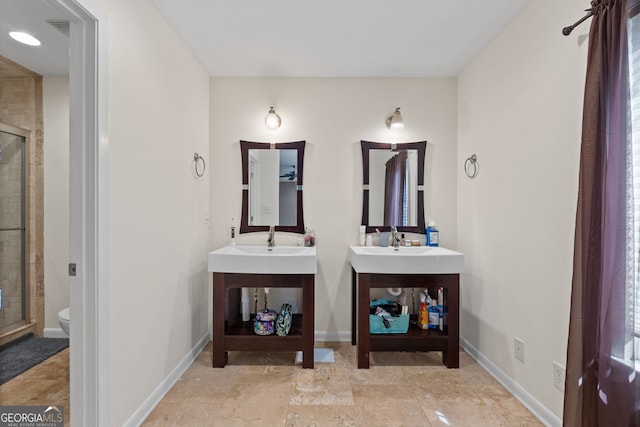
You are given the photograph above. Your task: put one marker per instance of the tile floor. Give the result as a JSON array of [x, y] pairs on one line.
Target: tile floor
[[400, 389], [44, 384], [270, 389]]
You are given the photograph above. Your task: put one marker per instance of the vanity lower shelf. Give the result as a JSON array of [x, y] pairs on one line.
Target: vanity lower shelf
[[240, 337], [230, 333], [416, 339]]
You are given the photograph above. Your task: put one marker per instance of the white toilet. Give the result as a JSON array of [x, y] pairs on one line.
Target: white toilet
[[63, 319]]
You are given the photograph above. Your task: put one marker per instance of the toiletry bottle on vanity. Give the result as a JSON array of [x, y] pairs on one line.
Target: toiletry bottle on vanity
[[309, 237], [433, 235]]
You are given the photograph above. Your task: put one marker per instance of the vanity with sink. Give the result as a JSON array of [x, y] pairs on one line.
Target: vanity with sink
[[393, 200], [235, 267], [405, 267], [270, 173]]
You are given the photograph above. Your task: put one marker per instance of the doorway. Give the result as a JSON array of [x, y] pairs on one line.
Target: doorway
[[88, 145]]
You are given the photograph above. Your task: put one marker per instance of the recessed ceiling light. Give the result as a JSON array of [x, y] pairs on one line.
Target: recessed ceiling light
[[24, 38]]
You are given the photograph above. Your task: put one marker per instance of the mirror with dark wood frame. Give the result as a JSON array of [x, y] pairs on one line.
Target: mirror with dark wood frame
[[272, 186], [393, 186]]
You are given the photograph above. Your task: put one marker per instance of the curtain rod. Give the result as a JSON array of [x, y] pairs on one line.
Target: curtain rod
[[567, 30]]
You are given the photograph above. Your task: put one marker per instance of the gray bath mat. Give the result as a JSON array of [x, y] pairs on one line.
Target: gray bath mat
[[26, 352]]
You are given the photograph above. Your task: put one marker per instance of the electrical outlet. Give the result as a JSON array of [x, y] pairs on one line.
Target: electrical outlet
[[558, 376], [518, 349]]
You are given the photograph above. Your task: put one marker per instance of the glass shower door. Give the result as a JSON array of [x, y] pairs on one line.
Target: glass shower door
[[12, 228]]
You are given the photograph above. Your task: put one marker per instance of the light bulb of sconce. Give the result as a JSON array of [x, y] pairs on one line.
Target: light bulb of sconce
[[273, 120], [395, 121]]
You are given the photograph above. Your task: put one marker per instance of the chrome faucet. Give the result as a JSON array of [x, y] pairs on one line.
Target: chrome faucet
[[395, 238], [271, 238]]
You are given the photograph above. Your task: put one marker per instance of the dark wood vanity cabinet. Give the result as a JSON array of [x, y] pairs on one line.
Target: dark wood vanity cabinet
[[230, 333], [415, 339]]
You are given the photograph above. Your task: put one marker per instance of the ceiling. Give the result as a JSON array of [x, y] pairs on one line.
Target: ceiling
[[294, 38], [52, 57], [337, 38]]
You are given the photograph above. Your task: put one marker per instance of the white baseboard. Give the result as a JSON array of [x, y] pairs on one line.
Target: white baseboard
[[339, 336], [546, 416], [54, 333], [143, 411]]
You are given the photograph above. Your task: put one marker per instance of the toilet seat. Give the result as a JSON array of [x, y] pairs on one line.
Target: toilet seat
[[63, 320]]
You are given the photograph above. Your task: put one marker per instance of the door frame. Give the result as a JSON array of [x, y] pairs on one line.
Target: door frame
[[88, 208]]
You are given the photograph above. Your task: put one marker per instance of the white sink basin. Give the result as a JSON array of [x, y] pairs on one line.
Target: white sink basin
[[406, 260], [260, 260]]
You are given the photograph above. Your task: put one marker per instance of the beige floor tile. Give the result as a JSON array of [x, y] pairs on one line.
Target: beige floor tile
[[329, 416], [478, 414], [270, 389], [324, 385]]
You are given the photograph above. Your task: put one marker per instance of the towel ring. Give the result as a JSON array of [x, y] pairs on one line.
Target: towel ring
[[197, 160], [471, 167]]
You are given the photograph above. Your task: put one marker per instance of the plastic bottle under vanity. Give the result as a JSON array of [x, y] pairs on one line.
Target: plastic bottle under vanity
[[433, 235], [245, 304], [434, 315], [423, 313]]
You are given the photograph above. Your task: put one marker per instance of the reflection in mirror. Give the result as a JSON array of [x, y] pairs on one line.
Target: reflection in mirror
[[393, 191], [393, 187], [272, 186]]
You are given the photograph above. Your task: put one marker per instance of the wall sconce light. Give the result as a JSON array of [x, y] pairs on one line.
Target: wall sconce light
[[273, 120], [395, 121]]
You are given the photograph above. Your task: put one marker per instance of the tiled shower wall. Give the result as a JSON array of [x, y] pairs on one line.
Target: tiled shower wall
[[21, 106], [10, 217]]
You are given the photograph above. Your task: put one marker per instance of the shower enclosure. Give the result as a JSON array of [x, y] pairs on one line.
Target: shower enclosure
[[13, 272]]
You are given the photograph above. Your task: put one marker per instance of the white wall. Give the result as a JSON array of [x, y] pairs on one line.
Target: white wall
[[332, 115], [517, 106], [158, 118], [519, 111], [56, 197]]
